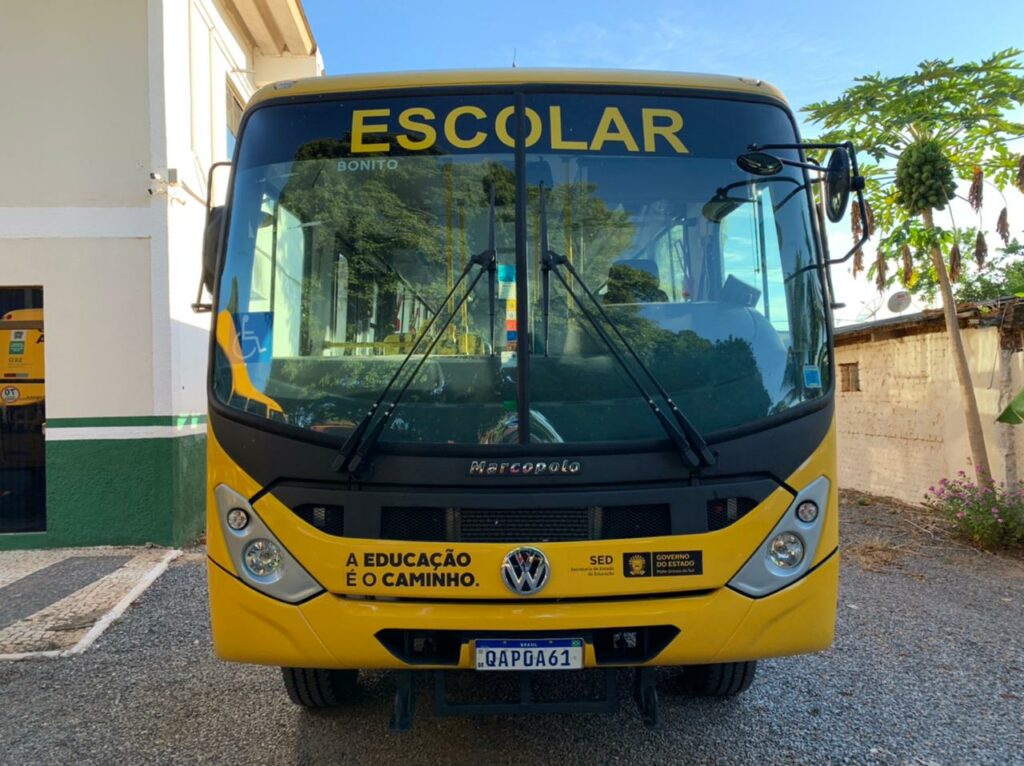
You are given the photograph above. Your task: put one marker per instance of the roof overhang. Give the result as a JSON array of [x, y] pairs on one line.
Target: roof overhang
[[275, 27]]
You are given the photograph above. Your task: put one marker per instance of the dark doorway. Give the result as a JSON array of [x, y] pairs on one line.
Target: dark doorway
[[22, 411]]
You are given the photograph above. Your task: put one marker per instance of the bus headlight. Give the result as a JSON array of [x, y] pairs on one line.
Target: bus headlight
[[786, 554], [237, 518], [786, 550], [807, 511], [260, 559]]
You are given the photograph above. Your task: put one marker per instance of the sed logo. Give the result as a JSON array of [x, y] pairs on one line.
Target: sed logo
[[601, 560]]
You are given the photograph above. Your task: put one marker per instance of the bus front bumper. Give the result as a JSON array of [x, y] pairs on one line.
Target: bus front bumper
[[329, 631]]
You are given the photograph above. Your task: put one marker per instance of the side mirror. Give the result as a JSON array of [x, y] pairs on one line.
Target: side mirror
[[837, 185], [760, 163], [721, 205], [211, 241]]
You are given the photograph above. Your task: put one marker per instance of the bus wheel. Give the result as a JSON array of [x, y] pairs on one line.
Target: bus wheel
[[320, 688], [719, 680]]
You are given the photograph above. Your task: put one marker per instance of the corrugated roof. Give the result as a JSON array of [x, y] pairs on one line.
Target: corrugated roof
[[1007, 313]]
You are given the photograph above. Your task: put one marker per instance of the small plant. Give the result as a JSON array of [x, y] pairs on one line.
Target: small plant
[[987, 515]]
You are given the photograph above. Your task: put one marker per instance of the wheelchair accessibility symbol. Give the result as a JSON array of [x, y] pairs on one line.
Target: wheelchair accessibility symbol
[[254, 335], [255, 343]]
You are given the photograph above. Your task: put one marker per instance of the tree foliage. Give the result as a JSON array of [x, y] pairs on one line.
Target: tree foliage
[[960, 112], [942, 117], [1002, 276]]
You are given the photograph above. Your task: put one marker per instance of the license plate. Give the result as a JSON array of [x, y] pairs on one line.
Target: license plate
[[529, 654]]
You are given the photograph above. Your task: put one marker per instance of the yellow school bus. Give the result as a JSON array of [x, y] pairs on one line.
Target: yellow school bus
[[22, 383], [522, 371]]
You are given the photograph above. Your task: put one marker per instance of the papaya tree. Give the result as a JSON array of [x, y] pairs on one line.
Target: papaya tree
[[926, 131]]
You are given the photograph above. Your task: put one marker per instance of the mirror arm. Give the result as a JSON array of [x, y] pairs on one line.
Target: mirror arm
[[807, 165], [864, 237], [848, 145], [200, 306], [857, 184]]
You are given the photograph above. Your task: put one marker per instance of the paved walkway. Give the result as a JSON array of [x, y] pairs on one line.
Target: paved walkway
[[56, 602]]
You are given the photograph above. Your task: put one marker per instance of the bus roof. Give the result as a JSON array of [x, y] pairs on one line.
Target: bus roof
[[514, 76]]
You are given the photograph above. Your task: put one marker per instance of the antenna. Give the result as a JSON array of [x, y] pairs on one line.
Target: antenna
[[513, 58], [898, 302], [868, 309]]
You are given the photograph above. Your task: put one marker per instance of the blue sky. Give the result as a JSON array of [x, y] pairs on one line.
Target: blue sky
[[810, 50]]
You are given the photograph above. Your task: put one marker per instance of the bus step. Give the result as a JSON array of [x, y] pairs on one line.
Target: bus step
[[645, 692], [405, 701]]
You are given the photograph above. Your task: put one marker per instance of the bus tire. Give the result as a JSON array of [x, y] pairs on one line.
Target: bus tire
[[724, 679], [320, 687]]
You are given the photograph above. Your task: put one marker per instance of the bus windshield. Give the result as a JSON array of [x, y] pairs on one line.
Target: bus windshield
[[352, 218]]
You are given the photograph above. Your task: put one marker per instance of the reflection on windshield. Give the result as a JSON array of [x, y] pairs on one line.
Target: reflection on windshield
[[334, 265], [704, 296]]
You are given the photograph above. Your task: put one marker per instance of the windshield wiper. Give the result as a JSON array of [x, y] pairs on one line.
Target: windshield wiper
[[361, 441], [687, 439]]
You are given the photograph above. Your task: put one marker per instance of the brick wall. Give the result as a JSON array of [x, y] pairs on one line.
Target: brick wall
[[904, 429]]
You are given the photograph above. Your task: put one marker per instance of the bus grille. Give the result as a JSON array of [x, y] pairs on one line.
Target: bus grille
[[326, 518], [485, 525], [723, 512], [523, 525]]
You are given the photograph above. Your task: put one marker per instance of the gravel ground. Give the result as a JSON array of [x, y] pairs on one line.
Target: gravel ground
[[927, 668]]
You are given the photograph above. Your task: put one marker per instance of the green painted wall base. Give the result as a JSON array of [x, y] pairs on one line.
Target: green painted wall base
[[121, 492]]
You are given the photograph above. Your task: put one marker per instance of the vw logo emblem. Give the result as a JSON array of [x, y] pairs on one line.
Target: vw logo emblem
[[525, 571]]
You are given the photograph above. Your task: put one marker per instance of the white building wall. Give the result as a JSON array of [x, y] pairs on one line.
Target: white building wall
[[104, 94], [114, 111], [75, 215], [75, 127], [202, 56]]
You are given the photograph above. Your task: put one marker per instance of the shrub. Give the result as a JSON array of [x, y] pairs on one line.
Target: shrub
[[987, 515]]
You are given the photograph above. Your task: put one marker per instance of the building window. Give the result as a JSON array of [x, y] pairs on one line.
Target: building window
[[849, 377], [234, 119], [22, 411]]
